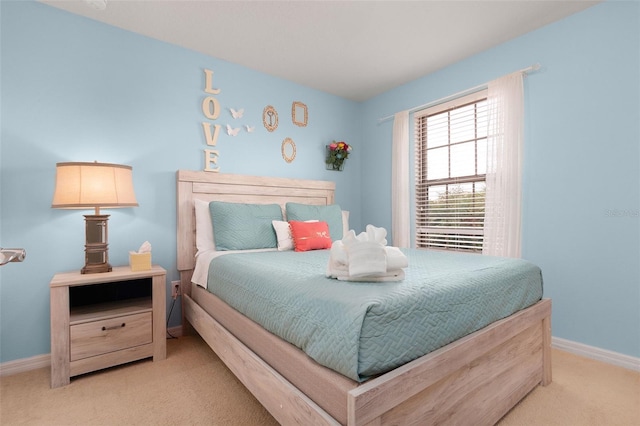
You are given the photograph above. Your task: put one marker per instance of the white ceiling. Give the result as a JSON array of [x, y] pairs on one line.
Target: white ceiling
[[353, 49]]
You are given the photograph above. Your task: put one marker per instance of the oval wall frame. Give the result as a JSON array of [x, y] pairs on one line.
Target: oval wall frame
[[288, 149], [270, 118]]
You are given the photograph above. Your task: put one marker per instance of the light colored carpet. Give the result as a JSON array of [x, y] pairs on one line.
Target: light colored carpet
[[584, 392], [193, 387]]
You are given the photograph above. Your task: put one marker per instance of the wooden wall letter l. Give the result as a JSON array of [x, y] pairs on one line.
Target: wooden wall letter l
[[209, 82], [211, 160], [209, 138], [211, 107]]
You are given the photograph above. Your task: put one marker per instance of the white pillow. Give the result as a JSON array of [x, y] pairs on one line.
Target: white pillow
[[283, 235], [204, 227]]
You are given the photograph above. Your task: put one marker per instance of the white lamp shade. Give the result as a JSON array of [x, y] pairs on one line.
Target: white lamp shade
[[90, 185]]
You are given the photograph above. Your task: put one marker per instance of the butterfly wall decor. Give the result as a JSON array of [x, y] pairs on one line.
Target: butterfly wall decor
[[237, 114], [231, 131]]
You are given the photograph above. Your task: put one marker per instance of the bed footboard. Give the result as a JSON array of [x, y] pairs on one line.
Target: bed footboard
[[475, 380]]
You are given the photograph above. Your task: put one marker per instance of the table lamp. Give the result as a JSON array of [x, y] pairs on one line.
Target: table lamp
[[94, 185]]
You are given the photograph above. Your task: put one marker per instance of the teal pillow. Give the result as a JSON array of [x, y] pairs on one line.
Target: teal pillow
[[239, 226], [332, 214]]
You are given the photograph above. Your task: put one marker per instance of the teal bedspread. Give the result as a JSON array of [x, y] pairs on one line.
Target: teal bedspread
[[365, 329]]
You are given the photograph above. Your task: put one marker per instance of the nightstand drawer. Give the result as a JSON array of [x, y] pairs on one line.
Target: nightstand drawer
[[109, 335]]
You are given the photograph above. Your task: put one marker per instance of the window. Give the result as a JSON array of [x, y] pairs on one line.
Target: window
[[451, 163]]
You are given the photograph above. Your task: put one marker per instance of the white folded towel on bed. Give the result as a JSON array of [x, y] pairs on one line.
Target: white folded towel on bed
[[397, 275], [338, 259], [371, 234], [396, 259], [365, 257]]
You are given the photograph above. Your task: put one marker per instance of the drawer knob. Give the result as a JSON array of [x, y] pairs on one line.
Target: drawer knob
[[115, 327]]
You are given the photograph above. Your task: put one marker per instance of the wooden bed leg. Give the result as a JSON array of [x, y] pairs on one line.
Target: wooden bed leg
[[185, 290], [546, 351]]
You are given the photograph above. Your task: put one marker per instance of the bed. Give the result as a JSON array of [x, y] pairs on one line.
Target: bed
[[475, 379]]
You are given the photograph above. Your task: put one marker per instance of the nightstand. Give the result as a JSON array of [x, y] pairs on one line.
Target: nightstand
[[105, 319]]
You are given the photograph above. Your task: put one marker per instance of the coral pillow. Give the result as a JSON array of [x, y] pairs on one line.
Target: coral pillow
[[310, 235]]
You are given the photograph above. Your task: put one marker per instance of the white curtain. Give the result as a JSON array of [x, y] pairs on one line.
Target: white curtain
[[400, 215], [502, 223]]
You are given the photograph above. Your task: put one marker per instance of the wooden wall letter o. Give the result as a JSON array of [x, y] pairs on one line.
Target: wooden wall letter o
[[211, 107]]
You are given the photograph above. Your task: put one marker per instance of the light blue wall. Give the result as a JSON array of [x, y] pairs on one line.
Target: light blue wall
[[581, 219], [77, 90]]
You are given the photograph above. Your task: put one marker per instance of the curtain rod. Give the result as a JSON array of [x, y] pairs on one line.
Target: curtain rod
[[534, 67]]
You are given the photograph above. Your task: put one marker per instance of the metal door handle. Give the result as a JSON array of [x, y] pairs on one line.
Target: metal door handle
[[11, 255]]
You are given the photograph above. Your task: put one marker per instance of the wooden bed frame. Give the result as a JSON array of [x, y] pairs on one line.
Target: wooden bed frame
[[474, 380]]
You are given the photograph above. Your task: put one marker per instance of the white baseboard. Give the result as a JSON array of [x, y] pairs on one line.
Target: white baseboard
[[632, 363], [609, 357], [40, 361], [25, 364]]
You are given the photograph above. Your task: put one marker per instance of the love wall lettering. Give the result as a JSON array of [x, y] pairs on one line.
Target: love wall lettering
[[211, 110]]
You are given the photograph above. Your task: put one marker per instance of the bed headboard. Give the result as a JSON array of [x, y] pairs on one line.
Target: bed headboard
[[209, 186]]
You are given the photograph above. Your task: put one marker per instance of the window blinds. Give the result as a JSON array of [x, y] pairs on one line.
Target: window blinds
[[451, 151]]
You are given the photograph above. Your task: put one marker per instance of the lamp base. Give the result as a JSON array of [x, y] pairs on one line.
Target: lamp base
[[94, 269], [96, 249]]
